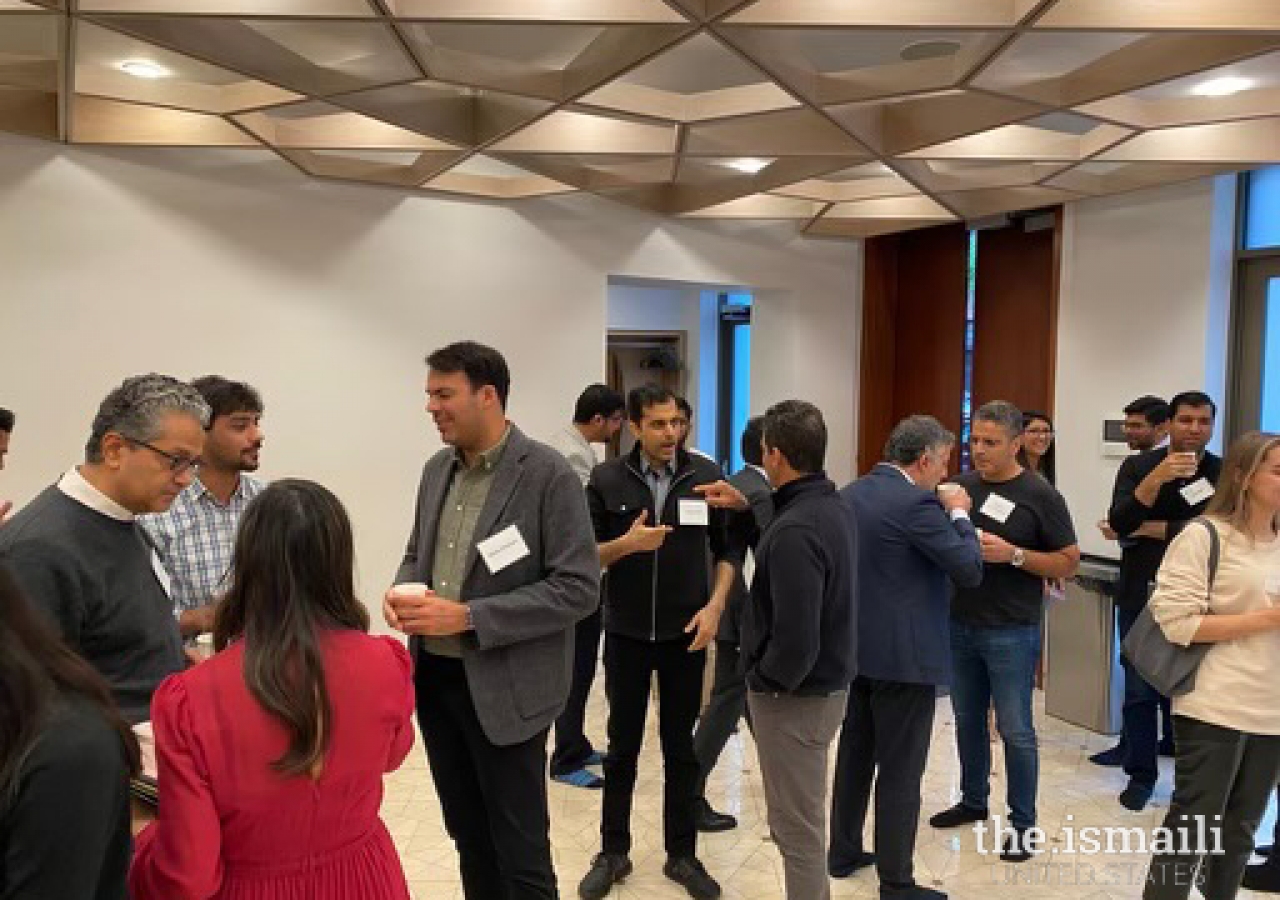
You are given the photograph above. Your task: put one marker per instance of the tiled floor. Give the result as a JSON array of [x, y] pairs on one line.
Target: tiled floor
[[747, 864]]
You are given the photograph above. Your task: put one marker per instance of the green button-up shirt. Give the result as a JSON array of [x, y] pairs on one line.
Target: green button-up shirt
[[455, 534]]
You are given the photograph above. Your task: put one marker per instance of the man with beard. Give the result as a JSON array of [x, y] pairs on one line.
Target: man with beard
[[194, 538]]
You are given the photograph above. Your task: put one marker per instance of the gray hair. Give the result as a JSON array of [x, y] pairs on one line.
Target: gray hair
[[1002, 413], [135, 409], [915, 436]]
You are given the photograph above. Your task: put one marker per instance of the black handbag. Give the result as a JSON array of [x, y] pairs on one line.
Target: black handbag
[[1168, 667]]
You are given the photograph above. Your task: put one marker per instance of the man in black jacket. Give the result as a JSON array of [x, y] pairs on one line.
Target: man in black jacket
[[1155, 495], [799, 641], [728, 700], [659, 617]]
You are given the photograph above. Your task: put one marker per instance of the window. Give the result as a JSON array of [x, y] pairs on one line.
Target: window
[[1255, 361], [1262, 209]]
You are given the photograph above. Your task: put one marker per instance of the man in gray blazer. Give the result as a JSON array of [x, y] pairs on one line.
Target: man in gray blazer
[[500, 565]]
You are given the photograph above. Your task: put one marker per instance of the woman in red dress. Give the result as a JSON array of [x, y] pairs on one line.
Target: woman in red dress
[[271, 754]]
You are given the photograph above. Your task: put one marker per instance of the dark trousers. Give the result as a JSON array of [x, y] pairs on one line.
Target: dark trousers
[[572, 746], [1143, 707], [727, 705], [629, 666], [1218, 772], [494, 799], [885, 740]]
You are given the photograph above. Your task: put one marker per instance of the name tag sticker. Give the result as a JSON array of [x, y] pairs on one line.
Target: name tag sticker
[[997, 508], [1197, 491], [693, 511], [503, 549]]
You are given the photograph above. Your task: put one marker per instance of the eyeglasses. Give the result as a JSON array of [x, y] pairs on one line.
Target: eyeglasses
[[177, 464]]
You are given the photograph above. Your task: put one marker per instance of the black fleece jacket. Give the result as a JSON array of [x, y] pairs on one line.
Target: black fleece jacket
[[799, 626]]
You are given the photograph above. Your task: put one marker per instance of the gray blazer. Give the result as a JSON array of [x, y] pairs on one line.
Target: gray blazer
[[519, 656]]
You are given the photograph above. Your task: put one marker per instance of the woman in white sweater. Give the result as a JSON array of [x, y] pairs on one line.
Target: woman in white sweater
[[1227, 729]]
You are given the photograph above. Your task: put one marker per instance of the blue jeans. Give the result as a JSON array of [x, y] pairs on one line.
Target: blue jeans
[[996, 666], [1143, 707]]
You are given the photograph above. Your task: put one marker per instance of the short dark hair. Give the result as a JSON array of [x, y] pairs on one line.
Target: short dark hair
[[481, 364], [915, 436], [684, 407], [752, 435], [1151, 408], [796, 429], [645, 396], [598, 400], [1002, 413], [1194, 399], [6, 419], [226, 397]]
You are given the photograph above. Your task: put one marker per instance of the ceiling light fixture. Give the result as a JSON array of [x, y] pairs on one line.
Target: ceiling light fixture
[[143, 68], [1222, 87], [748, 164]]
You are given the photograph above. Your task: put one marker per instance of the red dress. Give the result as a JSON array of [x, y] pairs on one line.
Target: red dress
[[230, 827]]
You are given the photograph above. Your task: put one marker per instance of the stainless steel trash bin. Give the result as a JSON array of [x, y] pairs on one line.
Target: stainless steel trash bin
[[1084, 684]]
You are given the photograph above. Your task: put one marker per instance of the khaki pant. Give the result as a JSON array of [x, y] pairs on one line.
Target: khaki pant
[[793, 736]]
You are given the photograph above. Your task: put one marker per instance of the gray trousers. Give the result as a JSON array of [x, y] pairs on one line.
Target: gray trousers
[[1218, 772], [793, 739]]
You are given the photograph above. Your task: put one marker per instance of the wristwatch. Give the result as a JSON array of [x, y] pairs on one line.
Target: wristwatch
[[1019, 557]]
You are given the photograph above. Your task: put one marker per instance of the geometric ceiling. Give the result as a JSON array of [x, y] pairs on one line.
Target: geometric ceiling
[[850, 117]]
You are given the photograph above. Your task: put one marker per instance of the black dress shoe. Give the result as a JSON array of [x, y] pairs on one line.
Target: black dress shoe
[[956, 816], [1110, 758], [910, 892], [607, 869], [708, 820], [687, 872], [1264, 878], [847, 867], [1014, 848], [1135, 796]]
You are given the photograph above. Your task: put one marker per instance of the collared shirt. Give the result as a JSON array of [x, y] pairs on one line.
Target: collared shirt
[[468, 491], [195, 538], [570, 444], [659, 481], [75, 486], [954, 514]]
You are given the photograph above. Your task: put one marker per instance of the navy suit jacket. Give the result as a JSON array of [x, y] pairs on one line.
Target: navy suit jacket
[[908, 548]]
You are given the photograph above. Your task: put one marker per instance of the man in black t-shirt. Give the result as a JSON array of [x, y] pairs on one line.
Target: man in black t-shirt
[[1026, 536]]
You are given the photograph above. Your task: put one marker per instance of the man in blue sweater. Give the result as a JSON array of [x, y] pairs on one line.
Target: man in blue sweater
[[79, 554]]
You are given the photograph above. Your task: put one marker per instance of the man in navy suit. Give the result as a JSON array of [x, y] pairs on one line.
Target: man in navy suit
[[911, 542]]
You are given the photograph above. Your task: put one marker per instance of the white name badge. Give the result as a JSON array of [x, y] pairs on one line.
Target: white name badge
[[997, 508], [162, 574], [1197, 491], [504, 548], [693, 511]]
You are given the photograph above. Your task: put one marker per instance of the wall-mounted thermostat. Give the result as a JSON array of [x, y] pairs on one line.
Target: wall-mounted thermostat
[[1114, 444]]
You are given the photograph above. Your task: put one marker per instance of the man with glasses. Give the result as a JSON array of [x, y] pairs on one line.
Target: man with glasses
[[79, 554], [195, 536], [597, 417]]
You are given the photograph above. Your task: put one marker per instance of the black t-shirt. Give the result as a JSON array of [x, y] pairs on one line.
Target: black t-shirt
[[1039, 521]]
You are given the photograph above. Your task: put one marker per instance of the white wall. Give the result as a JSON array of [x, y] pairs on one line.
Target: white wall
[[327, 296], [1144, 303]]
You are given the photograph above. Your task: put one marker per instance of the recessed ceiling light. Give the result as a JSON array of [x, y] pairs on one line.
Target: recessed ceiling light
[[1222, 87], [143, 68], [748, 164]]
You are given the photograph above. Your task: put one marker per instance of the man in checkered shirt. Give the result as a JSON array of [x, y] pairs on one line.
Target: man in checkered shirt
[[195, 537]]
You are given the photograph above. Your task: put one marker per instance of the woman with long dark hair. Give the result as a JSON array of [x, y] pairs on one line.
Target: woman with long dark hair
[[1038, 451], [1227, 727], [65, 760], [271, 754]]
